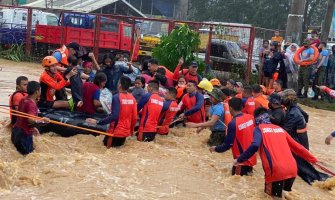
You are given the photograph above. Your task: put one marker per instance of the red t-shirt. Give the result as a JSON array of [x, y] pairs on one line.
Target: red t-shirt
[[89, 95], [26, 105]]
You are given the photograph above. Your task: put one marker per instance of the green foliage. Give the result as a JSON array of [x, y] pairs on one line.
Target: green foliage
[[15, 53], [182, 42]]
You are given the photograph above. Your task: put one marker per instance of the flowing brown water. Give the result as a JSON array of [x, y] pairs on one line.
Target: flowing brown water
[[178, 166]]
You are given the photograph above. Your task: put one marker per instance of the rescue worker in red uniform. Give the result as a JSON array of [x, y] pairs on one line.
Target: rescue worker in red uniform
[[248, 101], [193, 104], [225, 98], [239, 137], [275, 147], [190, 74], [51, 81], [17, 96], [151, 106], [123, 116], [169, 111]]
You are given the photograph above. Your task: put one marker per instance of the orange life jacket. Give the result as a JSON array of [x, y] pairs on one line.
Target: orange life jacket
[[65, 53]]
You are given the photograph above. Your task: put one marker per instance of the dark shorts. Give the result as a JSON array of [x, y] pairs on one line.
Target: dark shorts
[[268, 74], [216, 138], [148, 136], [22, 142], [116, 141], [276, 188], [45, 104], [241, 170]]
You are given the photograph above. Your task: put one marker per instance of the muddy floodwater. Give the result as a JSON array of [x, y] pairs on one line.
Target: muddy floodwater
[[178, 166]]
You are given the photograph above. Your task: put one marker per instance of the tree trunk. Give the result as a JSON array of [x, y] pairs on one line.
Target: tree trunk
[[306, 16], [328, 20], [295, 21]]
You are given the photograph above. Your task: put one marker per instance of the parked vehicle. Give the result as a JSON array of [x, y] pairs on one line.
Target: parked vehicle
[[17, 18], [13, 24], [114, 35], [226, 53]]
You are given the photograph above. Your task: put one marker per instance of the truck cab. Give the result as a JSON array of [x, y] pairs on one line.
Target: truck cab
[[17, 18], [114, 35]]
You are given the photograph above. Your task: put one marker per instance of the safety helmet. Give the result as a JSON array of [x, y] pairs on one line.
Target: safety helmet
[[48, 61], [205, 85], [215, 82]]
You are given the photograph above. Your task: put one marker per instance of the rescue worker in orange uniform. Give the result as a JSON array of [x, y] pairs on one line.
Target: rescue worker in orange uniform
[[20, 93], [259, 97], [51, 80]]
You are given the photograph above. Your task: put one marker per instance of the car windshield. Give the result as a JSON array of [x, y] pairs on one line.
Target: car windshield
[[219, 48], [235, 50], [52, 20]]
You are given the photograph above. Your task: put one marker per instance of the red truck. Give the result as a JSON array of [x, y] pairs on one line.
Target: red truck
[[114, 35]]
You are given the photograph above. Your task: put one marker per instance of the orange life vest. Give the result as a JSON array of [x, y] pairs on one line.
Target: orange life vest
[[65, 53]]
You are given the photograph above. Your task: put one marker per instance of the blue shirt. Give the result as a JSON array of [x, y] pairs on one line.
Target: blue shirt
[[91, 77], [231, 133], [113, 75], [326, 54], [218, 110], [115, 113], [307, 53]]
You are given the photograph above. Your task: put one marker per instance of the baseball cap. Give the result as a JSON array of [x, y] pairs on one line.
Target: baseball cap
[[194, 64], [75, 46], [231, 81], [239, 84], [216, 94]]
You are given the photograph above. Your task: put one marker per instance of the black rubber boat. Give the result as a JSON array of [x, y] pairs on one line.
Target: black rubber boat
[[72, 118]]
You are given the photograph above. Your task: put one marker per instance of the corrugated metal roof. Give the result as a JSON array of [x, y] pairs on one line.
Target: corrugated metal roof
[[82, 5]]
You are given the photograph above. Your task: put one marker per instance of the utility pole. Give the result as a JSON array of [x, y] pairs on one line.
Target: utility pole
[[328, 20], [294, 22]]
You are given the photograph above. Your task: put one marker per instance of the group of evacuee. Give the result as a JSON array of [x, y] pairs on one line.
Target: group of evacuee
[[299, 68], [246, 119]]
